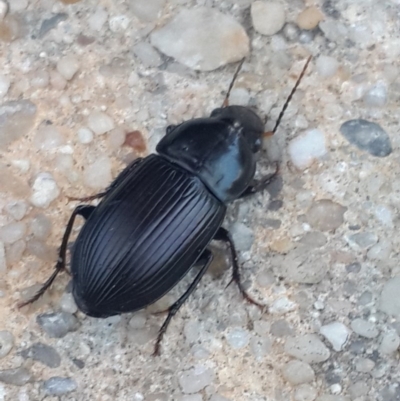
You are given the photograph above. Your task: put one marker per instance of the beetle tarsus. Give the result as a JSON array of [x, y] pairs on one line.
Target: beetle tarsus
[[262, 184], [206, 257], [223, 235]]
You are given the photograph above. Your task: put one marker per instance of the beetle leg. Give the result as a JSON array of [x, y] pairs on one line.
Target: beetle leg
[[82, 210], [121, 177], [260, 185], [223, 235], [205, 258]]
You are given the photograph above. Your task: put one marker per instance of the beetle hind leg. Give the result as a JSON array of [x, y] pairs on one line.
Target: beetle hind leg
[[223, 235], [205, 260], [83, 210]]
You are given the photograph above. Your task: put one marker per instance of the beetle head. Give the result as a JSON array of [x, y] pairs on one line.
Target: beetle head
[[245, 119]]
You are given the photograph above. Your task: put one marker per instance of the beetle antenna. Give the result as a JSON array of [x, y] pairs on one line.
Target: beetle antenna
[[285, 106], [226, 100]]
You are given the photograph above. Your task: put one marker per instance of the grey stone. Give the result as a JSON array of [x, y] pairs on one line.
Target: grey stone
[[308, 348], [367, 136], [58, 324], [43, 353], [59, 386], [6, 343], [17, 377], [390, 297]]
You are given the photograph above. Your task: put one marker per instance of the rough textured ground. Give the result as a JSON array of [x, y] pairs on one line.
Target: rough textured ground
[[89, 86]]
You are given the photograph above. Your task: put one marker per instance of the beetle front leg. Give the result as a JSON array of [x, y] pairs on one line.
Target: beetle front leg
[[205, 259], [82, 210], [261, 184], [223, 235]]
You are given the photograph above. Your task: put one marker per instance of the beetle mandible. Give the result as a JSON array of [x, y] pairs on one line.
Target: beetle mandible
[[155, 221]]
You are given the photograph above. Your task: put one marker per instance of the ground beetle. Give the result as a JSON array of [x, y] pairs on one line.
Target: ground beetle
[[157, 218]]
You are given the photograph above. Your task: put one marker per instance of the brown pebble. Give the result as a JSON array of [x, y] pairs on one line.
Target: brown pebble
[[309, 18], [9, 29], [136, 141], [69, 1], [84, 40]]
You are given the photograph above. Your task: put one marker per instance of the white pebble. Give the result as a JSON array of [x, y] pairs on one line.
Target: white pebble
[[68, 66], [364, 328], [336, 333], [48, 137], [119, 23], [138, 321], [18, 5], [116, 138], [45, 190], [67, 303], [307, 147], [3, 9], [12, 232], [380, 251], [98, 174], [298, 372], [191, 397], [3, 261], [377, 95], [194, 380], [98, 19], [17, 209], [85, 135], [5, 83], [364, 365], [147, 54], [384, 215], [238, 337], [326, 66], [260, 346], [390, 343], [305, 392], [282, 305], [57, 80], [268, 16], [308, 348], [147, 10], [390, 297], [6, 343], [100, 123], [40, 79], [41, 226], [239, 96]]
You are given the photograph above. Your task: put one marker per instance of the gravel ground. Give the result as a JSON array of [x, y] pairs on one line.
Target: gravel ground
[[87, 86]]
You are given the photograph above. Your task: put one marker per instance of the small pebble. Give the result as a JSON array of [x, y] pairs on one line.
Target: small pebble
[[309, 18], [308, 348], [57, 81], [191, 397], [307, 147], [12, 232], [98, 19], [100, 123], [281, 306], [305, 392], [238, 338], [68, 66], [217, 397], [41, 226], [17, 377], [362, 240], [3, 9], [51, 23], [358, 389], [268, 17], [17, 209], [44, 354], [242, 236], [48, 137], [336, 333], [281, 328], [260, 346], [146, 53], [135, 140], [116, 138], [325, 215], [98, 174], [67, 303], [298, 372], [58, 386], [377, 95], [326, 66], [138, 321], [17, 118], [119, 23], [367, 136], [6, 343], [291, 32], [196, 379], [5, 82], [58, 324], [45, 190], [380, 251], [85, 135], [389, 344], [364, 328], [147, 10], [364, 365], [239, 96], [14, 253], [211, 39], [389, 301], [18, 5]]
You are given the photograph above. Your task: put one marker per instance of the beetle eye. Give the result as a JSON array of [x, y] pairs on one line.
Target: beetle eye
[[170, 128]]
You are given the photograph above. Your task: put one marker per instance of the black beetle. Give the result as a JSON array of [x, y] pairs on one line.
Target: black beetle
[[157, 218]]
